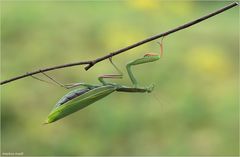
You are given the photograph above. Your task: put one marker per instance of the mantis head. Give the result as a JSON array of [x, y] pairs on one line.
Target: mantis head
[[151, 57]]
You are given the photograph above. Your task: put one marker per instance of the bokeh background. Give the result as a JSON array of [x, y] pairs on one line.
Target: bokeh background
[[192, 111]]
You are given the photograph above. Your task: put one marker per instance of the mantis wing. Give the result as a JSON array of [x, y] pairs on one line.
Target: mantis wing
[[88, 97]]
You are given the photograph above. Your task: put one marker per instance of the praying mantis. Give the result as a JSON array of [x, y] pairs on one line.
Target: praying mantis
[[82, 97]]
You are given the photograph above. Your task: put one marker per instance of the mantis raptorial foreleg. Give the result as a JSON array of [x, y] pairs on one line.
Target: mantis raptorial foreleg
[[149, 57], [113, 76]]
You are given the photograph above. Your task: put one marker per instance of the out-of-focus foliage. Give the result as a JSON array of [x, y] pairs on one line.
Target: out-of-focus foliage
[[192, 111]]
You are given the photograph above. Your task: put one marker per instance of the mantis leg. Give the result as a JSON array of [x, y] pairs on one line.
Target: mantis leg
[[66, 86], [129, 70], [136, 90], [114, 76]]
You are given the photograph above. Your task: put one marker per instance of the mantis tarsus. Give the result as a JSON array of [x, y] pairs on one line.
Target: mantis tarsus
[[82, 97]]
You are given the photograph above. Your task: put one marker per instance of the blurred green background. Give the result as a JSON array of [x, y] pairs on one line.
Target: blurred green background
[[192, 111]]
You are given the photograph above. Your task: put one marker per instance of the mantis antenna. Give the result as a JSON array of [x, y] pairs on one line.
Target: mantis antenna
[[161, 47]]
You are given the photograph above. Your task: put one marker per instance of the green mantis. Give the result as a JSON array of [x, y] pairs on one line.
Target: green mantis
[[82, 97]]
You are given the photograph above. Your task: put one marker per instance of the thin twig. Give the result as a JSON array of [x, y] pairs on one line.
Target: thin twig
[[44, 70], [93, 62]]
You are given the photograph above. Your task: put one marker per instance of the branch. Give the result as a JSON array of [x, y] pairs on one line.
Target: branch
[[93, 62]]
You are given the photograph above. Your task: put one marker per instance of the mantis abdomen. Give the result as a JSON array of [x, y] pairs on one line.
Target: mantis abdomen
[[76, 103]]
